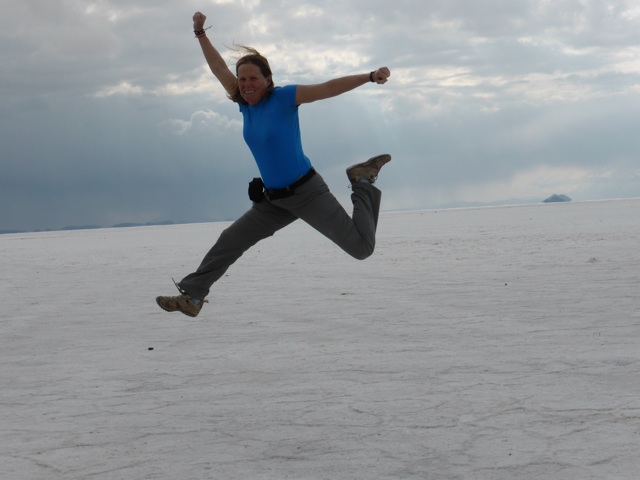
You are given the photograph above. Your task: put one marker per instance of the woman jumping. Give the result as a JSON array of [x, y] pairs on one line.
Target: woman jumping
[[290, 188]]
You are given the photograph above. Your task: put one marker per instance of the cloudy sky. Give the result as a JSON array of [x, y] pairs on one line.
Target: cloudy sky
[[110, 115]]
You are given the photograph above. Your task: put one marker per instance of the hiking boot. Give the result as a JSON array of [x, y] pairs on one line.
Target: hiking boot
[[367, 170], [181, 303]]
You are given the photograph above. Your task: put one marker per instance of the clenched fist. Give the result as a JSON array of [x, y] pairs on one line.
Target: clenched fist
[[198, 21], [381, 75]]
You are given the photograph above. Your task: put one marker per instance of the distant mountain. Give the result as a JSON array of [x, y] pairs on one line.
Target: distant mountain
[[148, 224], [92, 227], [556, 199], [81, 227]]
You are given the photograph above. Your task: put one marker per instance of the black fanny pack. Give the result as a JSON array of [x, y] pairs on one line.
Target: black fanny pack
[[257, 191]]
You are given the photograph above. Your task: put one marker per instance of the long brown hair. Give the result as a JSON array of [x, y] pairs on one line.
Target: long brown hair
[[252, 56]]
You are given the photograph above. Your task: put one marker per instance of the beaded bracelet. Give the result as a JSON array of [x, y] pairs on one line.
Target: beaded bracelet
[[201, 33]]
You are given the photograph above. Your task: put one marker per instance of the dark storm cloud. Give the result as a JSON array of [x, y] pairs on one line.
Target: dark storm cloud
[[110, 115]]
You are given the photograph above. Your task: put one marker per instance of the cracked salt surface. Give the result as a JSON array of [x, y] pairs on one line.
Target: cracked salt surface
[[490, 343]]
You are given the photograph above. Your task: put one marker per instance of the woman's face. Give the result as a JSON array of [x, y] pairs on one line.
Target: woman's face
[[252, 84]]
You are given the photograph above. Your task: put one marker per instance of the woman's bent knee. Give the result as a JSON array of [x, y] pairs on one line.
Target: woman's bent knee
[[362, 253]]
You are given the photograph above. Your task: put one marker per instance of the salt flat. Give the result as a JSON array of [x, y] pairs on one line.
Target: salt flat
[[489, 343]]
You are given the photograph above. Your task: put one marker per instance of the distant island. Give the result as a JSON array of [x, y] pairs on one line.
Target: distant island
[[557, 198]]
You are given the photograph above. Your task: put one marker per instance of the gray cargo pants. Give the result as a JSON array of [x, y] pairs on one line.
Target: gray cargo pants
[[313, 203]]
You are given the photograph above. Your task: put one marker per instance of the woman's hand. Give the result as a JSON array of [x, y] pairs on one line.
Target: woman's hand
[[198, 21], [381, 75]]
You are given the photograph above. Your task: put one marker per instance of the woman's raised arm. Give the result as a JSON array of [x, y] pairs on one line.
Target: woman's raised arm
[[216, 63]]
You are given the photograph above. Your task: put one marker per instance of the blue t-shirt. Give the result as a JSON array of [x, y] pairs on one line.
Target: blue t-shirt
[[272, 132]]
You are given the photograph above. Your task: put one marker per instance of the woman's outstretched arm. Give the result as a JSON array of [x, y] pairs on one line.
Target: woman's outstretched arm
[[338, 86]]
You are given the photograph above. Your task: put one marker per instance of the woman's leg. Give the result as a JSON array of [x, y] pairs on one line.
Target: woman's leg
[[260, 222], [316, 205]]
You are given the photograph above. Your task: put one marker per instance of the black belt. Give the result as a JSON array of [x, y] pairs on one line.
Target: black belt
[[277, 193]]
